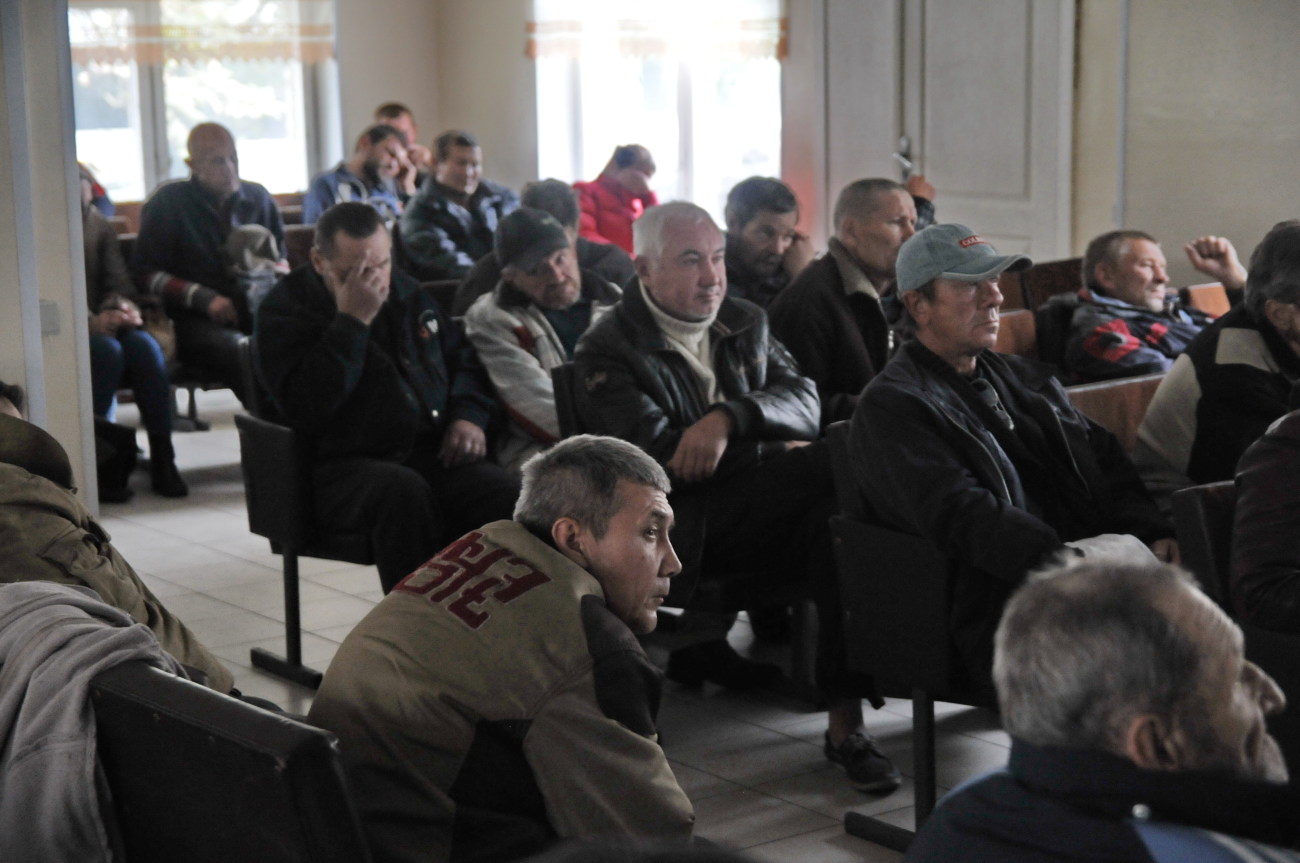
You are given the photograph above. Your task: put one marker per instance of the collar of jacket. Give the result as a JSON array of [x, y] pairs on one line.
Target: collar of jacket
[[592, 287], [1286, 357], [1099, 781], [1118, 306], [734, 317], [855, 280]]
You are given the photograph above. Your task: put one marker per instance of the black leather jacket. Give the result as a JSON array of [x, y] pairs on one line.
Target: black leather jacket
[[1265, 585], [635, 386]]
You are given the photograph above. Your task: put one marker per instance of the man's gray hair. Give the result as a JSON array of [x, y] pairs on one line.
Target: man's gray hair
[[578, 478], [1275, 269], [1084, 647], [648, 231], [860, 199]]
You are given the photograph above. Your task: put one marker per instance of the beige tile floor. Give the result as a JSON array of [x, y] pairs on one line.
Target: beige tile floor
[[752, 763]]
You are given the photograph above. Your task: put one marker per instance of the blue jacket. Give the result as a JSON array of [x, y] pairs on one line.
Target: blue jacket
[[341, 185], [440, 239], [1111, 339]]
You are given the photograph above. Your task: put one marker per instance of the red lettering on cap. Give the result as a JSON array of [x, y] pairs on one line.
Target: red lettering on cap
[[972, 240]]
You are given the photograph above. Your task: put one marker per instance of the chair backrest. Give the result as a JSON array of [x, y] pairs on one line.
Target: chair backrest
[[1119, 405], [256, 395], [443, 292], [896, 590], [1017, 334], [1050, 278], [297, 244], [564, 380], [1052, 326], [1203, 517], [277, 487], [1211, 298], [199, 776]]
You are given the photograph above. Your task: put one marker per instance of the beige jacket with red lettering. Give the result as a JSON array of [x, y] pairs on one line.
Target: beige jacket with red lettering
[[492, 704]]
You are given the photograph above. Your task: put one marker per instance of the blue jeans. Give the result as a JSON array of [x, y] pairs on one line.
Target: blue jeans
[[134, 358]]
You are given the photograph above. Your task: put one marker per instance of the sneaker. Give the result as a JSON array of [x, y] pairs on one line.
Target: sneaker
[[869, 769], [717, 662], [166, 479]]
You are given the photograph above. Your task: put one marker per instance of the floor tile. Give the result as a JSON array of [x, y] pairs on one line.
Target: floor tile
[[741, 819], [828, 845]]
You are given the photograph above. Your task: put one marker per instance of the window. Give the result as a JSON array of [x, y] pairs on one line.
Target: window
[[705, 99], [146, 71]]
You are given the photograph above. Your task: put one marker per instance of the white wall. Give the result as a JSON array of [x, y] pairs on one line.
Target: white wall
[[486, 86], [387, 52], [41, 258]]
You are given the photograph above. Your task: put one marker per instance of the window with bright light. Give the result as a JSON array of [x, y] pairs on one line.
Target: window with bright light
[[705, 99], [147, 71]]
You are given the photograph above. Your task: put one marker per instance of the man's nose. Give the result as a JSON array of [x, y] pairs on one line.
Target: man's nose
[[1267, 693], [991, 295], [672, 564]]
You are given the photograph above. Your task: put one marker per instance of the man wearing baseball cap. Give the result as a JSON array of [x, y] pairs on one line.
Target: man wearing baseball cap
[[530, 324], [982, 453]]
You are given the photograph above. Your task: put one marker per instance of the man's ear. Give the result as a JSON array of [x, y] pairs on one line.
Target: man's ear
[[1102, 275], [914, 302], [1152, 743], [569, 538], [317, 262], [642, 267], [1279, 315]]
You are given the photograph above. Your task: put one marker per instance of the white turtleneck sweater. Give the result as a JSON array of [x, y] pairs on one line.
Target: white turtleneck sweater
[[691, 340]]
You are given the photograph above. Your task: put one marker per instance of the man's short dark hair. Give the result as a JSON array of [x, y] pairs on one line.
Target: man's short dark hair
[[555, 197], [391, 111], [1106, 250], [356, 219], [13, 394], [452, 138], [1275, 268], [757, 195], [861, 197], [380, 132]]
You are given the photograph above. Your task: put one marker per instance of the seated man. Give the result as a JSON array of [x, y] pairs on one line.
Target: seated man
[[560, 200], [694, 378], [837, 317], [418, 156], [1137, 732], [47, 534], [378, 174], [1124, 323], [450, 222], [1232, 381], [531, 323], [497, 700], [362, 361], [764, 249], [982, 454], [181, 253]]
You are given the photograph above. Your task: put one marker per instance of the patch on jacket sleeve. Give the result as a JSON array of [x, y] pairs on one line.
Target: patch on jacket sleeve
[[594, 381], [627, 685], [500, 811], [470, 577]]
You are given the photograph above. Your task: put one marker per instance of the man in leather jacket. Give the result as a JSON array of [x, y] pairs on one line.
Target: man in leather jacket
[[983, 454], [695, 378]]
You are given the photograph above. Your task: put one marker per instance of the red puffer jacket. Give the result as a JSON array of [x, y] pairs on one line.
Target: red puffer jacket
[[608, 211]]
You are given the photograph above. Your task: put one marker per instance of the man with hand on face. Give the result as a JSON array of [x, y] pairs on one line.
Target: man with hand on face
[[695, 379], [180, 253], [838, 316], [1137, 732], [983, 454], [530, 324], [419, 157], [377, 174], [388, 389], [1125, 323], [497, 700], [764, 248], [450, 222]]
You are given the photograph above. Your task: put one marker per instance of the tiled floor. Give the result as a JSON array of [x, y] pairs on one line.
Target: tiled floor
[[752, 763]]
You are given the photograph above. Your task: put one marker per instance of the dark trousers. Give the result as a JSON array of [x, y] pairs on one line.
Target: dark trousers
[[211, 349], [769, 527], [413, 509]]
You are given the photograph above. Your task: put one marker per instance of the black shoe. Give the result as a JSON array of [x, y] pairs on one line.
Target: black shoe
[[869, 769], [717, 662], [771, 623], [166, 479], [116, 494]]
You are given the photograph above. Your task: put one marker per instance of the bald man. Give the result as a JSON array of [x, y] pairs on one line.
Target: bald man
[[185, 242]]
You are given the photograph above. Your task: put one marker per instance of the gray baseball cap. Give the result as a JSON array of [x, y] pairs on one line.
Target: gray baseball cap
[[526, 236], [951, 251]]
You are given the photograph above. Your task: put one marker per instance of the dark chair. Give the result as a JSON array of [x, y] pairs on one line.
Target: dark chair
[[443, 292], [1119, 405], [1050, 278], [1211, 298], [1017, 334], [276, 464], [896, 589], [297, 244], [723, 595], [197, 776], [1052, 324], [1203, 523]]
